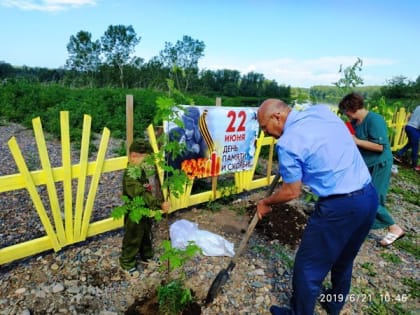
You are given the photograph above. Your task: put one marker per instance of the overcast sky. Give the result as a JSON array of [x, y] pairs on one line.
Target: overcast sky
[[295, 42]]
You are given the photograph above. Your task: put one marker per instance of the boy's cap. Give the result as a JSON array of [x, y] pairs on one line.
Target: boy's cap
[[141, 146]]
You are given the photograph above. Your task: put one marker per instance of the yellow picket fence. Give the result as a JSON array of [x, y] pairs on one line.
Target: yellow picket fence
[[74, 225], [398, 138]]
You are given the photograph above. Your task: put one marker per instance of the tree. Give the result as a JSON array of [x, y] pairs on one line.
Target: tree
[[416, 87], [417, 83], [154, 75], [350, 79], [299, 95], [228, 81], [6, 70], [207, 83], [132, 76], [271, 89], [252, 84], [118, 43], [397, 87], [182, 58], [84, 54]]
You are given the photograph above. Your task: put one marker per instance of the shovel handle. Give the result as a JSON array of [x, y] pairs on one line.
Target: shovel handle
[[254, 222], [245, 239]]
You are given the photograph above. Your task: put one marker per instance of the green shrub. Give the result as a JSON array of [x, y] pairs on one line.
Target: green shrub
[[173, 298]]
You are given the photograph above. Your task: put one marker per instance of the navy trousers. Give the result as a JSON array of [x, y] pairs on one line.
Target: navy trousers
[[331, 240], [413, 135]]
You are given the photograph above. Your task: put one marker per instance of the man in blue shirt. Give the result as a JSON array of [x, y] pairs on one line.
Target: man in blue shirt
[[316, 149]]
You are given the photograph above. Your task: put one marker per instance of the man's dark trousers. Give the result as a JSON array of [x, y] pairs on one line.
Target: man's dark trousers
[[332, 238]]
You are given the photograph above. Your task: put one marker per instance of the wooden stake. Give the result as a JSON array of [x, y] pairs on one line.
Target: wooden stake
[[129, 120]]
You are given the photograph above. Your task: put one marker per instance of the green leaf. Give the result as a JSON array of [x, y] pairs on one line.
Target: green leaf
[[137, 202], [158, 215], [119, 212], [136, 210], [134, 171]]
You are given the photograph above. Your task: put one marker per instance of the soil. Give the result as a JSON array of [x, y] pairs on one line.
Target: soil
[[150, 305], [291, 220], [288, 216]]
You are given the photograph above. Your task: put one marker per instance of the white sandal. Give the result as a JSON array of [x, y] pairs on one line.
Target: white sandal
[[390, 238]]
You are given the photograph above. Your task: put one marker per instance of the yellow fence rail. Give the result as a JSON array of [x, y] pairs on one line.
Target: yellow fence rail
[[75, 224]]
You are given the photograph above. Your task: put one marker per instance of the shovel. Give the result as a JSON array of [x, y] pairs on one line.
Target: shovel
[[223, 275]]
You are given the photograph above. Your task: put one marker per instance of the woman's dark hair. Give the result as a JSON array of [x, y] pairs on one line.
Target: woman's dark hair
[[351, 103]]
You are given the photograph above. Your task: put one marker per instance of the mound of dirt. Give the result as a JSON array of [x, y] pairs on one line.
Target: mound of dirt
[[285, 224], [150, 305]]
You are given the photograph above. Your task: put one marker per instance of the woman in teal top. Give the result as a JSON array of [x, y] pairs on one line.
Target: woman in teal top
[[371, 137]]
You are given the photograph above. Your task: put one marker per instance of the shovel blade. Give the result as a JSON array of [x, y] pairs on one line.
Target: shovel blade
[[221, 278]]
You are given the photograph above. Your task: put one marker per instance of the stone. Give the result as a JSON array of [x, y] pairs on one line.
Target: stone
[[54, 267], [58, 287], [20, 291]]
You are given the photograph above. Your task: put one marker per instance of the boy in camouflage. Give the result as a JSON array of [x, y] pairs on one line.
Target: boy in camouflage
[[137, 236]]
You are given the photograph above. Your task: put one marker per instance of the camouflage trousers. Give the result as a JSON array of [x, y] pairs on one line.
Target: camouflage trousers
[[137, 240]]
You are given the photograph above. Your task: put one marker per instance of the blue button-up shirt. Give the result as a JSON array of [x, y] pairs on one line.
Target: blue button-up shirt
[[317, 149]]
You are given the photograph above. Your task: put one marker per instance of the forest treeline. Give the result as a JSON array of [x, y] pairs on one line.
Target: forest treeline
[[110, 62], [22, 100], [99, 73]]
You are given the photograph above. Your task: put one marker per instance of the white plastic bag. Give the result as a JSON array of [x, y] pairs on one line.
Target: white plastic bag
[[183, 231]]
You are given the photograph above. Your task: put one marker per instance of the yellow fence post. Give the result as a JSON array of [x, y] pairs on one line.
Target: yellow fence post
[[399, 138], [270, 158], [67, 184], [23, 169], [84, 154], [52, 192], [94, 183]]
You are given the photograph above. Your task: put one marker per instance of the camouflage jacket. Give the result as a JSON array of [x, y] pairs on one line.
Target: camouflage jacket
[[142, 186]]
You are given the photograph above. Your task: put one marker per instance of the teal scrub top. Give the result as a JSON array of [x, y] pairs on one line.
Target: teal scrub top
[[373, 128]]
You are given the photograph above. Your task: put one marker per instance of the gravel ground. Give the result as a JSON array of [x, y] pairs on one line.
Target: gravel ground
[[85, 278]]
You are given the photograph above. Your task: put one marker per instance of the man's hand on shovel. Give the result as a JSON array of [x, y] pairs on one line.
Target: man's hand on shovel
[[263, 209]]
